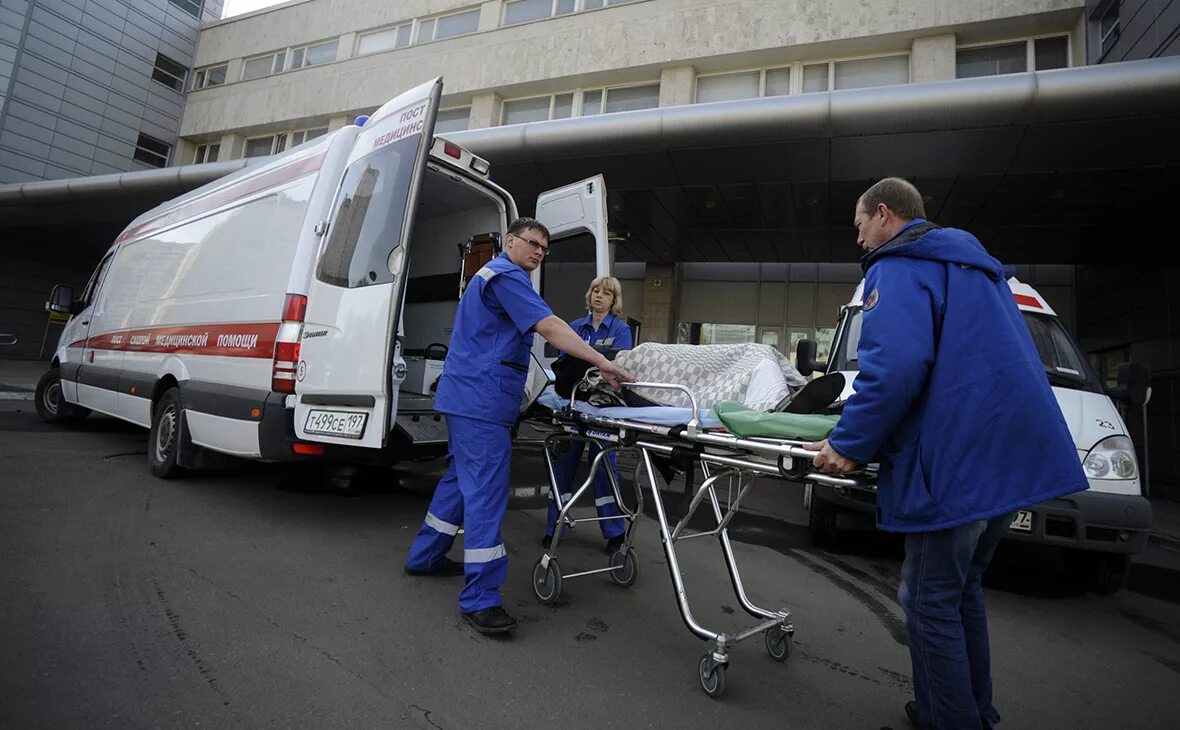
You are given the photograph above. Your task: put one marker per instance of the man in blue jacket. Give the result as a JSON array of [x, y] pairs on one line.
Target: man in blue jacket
[[480, 394], [952, 401]]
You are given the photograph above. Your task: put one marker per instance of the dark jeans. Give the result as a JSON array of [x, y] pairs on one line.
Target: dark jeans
[[947, 623]]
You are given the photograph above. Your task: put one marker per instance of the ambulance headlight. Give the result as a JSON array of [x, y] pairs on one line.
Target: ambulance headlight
[[1112, 458]]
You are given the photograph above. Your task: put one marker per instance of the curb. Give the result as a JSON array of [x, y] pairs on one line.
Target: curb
[[15, 395]]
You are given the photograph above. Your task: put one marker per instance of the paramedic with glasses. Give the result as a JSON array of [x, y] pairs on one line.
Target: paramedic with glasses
[[602, 327], [952, 401], [479, 394]]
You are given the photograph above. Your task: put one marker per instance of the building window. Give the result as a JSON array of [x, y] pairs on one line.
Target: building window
[[314, 55], [151, 151], [744, 85], [169, 72], [209, 76], [708, 333], [815, 77], [523, 11], [271, 63], [192, 7], [1008, 58], [867, 72], [207, 153], [1106, 17], [520, 111], [384, 40], [306, 135], [1014, 57], [620, 99], [452, 120], [448, 26], [262, 146]]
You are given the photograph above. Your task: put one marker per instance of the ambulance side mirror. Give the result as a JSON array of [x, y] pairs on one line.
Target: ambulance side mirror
[[1134, 384], [805, 358], [61, 299]]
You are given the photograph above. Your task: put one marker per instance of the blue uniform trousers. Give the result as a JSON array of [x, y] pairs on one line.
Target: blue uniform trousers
[[947, 624], [604, 496], [474, 495]]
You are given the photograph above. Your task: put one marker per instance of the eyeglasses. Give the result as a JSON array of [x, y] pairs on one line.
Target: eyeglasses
[[543, 250]]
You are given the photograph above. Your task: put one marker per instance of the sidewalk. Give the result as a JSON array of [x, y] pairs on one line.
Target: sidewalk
[[18, 378], [1165, 530]]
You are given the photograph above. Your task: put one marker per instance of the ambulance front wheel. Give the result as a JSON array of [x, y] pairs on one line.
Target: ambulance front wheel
[[547, 581], [50, 404], [165, 435]]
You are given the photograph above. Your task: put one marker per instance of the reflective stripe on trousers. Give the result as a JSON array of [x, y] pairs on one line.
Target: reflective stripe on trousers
[[474, 494]]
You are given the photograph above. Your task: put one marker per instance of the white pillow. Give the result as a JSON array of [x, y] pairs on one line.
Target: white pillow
[[767, 386]]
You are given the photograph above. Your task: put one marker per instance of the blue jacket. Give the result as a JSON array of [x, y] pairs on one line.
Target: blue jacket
[[613, 332], [488, 359], [951, 397]]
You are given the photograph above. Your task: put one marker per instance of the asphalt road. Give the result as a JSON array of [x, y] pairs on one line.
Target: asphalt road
[[250, 598]]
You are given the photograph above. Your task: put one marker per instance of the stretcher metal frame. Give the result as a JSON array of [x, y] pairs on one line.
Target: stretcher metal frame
[[721, 456]]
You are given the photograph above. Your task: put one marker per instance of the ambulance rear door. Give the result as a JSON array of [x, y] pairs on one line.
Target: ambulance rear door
[[346, 384]]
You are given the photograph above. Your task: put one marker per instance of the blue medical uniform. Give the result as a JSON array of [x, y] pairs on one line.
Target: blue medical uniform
[[612, 332], [479, 394]]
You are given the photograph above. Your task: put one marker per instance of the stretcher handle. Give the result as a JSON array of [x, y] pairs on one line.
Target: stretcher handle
[[693, 423]]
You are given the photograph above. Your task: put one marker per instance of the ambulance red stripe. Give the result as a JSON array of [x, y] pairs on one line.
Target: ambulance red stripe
[[1027, 301], [251, 185], [248, 339]]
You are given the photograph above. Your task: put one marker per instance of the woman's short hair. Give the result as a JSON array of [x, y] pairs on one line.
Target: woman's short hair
[[612, 285]]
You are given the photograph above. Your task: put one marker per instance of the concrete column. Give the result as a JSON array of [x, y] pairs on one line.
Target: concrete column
[[489, 15], [1077, 42], [485, 110], [347, 47], [233, 146], [659, 303], [677, 86], [183, 152], [233, 70], [932, 58]]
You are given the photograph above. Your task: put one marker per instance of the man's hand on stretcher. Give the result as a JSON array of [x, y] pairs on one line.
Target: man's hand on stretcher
[[559, 334], [829, 460]]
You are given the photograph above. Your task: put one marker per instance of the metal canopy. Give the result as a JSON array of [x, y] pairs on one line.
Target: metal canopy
[[1044, 167]]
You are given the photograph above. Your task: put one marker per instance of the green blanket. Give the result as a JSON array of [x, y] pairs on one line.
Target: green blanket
[[744, 421]]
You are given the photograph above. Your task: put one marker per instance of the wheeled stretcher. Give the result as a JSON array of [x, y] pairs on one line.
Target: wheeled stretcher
[[727, 464]]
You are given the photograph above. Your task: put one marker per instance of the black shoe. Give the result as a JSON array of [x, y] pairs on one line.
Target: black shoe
[[494, 620], [613, 544], [911, 712], [546, 541], [449, 568]]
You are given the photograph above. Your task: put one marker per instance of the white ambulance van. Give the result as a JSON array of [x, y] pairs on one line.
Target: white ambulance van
[[272, 313], [1098, 529]]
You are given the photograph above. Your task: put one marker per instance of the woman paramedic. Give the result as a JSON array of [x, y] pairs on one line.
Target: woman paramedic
[[479, 394], [603, 327]]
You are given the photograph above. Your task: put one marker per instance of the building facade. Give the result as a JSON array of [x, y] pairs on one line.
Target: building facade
[[89, 87]]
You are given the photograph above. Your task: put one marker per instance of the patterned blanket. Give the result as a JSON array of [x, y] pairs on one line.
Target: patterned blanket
[[714, 373]]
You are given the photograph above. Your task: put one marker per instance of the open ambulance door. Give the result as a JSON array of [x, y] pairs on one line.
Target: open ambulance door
[[346, 386], [575, 216]]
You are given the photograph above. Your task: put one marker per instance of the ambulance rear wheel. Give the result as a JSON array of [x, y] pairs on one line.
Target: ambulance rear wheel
[[165, 435], [547, 581], [50, 404]]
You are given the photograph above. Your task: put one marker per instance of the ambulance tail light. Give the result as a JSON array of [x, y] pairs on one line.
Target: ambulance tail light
[[453, 150], [286, 358], [480, 165]]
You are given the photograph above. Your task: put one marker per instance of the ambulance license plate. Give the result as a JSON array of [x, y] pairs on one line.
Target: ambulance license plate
[[1021, 522], [346, 424]]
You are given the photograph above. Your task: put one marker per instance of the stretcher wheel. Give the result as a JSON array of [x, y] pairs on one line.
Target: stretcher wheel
[[778, 643], [712, 676], [626, 575], [547, 581]]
